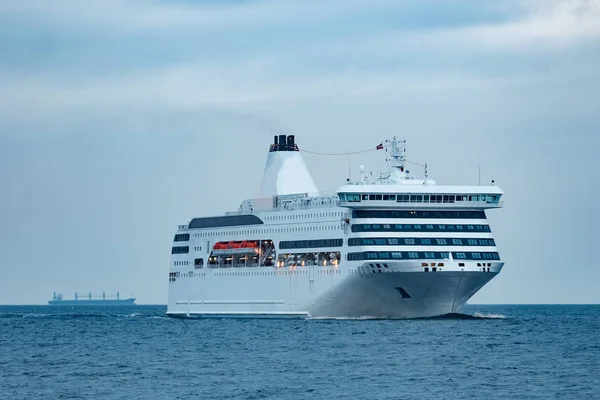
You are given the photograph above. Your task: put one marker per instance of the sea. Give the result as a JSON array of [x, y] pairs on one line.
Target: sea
[[485, 352]]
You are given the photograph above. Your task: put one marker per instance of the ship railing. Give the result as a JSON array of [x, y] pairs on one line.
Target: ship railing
[[288, 202], [237, 265], [292, 208]]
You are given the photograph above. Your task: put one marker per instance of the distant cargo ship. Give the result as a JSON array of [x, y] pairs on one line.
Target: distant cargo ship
[[89, 300]]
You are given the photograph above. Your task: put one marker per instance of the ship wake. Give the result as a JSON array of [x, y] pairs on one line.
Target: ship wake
[[474, 316], [450, 316]]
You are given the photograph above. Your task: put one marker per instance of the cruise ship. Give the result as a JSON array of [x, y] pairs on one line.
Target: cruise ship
[[389, 246]]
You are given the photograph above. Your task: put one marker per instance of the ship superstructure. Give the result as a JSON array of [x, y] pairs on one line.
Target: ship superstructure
[[392, 247]]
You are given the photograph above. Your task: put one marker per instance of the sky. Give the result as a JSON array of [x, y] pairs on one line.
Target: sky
[[120, 120]]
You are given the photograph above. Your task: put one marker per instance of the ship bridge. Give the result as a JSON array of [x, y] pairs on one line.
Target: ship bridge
[[398, 188], [420, 196]]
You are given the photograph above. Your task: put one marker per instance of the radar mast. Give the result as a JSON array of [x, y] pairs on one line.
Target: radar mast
[[397, 159]]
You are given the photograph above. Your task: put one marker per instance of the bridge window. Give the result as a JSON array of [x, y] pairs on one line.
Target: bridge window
[[421, 198], [418, 214]]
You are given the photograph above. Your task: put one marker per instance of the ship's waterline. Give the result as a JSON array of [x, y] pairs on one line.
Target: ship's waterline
[[395, 247]]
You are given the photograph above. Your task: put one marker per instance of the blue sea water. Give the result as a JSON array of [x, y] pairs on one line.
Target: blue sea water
[[489, 352]]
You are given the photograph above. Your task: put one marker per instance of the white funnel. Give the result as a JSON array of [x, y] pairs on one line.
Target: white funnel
[[285, 171]]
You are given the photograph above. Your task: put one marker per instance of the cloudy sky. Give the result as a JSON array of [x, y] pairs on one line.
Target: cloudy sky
[[121, 119]]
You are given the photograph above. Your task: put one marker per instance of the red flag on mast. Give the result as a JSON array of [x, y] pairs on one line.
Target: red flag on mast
[[380, 146]]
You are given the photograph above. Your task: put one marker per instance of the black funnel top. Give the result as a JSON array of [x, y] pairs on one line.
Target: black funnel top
[[283, 143]]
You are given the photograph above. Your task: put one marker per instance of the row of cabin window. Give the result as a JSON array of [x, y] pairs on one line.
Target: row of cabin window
[[300, 244], [418, 228], [384, 255], [418, 214], [180, 249], [182, 237], [397, 255], [435, 255], [420, 198], [304, 244], [278, 272], [476, 256], [420, 242], [302, 216], [265, 231]]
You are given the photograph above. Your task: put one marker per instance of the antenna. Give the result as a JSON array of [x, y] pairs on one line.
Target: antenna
[[349, 166]]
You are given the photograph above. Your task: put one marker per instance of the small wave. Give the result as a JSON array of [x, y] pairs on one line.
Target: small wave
[[91, 315], [61, 315], [10, 315], [133, 315], [36, 315], [67, 316], [489, 315]]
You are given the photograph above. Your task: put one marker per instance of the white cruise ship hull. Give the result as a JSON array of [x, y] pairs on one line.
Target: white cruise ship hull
[[389, 247], [401, 290]]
